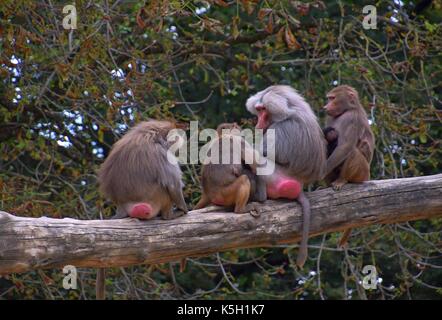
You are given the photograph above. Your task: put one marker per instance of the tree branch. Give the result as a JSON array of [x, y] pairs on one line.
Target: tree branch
[[33, 243]]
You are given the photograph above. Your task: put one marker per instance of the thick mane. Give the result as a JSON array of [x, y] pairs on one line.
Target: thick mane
[[290, 94], [308, 149]]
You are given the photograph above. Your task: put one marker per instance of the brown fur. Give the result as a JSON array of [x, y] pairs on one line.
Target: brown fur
[[232, 184], [331, 136], [350, 160], [354, 150], [137, 170], [299, 144]]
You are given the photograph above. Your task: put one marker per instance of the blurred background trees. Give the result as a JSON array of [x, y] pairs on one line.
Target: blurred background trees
[[67, 95]]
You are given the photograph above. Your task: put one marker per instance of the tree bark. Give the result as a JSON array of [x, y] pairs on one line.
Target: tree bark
[[33, 243]]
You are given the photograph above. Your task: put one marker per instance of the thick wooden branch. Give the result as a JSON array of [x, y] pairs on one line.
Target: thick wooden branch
[[32, 243]]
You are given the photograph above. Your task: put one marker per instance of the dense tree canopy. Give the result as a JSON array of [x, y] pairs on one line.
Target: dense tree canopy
[[67, 95]]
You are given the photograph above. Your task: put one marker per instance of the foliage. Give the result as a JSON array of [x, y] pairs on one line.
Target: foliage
[[67, 95]]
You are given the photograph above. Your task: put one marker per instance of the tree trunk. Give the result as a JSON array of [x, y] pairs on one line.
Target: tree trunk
[[33, 243]]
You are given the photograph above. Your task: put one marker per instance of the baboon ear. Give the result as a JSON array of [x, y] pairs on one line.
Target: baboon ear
[[351, 95]]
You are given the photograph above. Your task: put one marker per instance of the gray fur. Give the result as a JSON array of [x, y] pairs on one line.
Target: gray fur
[[300, 147], [299, 142]]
